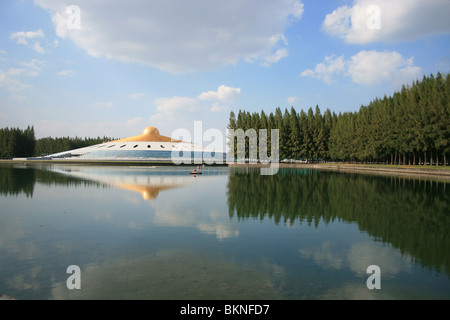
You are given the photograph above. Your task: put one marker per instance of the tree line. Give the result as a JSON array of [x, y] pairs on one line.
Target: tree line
[[410, 127], [15, 142], [49, 145], [18, 143]]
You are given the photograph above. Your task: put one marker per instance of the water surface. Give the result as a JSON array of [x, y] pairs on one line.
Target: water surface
[[230, 233]]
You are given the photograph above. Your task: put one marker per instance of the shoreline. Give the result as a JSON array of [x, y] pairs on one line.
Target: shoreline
[[434, 172]]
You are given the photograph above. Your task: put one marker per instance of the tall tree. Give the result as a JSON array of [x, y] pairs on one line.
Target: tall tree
[[295, 137], [411, 126]]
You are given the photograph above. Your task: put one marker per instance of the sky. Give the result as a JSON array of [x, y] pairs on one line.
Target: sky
[[90, 68]]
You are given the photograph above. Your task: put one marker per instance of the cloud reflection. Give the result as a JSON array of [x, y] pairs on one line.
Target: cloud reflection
[[357, 258], [169, 274], [194, 206]]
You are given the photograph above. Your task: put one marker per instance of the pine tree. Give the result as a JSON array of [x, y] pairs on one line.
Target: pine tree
[[303, 128], [231, 140], [328, 125], [295, 138], [411, 126], [320, 135]]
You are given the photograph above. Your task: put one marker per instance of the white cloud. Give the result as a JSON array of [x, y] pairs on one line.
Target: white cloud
[[443, 63], [327, 69], [66, 73], [8, 79], [23, 37], [275, 53], [19, 98], [388, 21], [223, 93], [368, 68], [275, 57], [218, 108], [157, 117], [135, 96], [372, 67], [179, 35], [106, 104], [34, 67], [134, 122], [37, 47], [292, 100], [181, 112], [11, 84], [170, 106], [16, 71]]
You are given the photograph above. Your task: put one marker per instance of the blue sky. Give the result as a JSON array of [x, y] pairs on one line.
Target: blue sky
[[90, 68]]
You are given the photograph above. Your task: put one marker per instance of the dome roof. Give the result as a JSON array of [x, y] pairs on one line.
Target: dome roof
[[151, 131], [150, 134]]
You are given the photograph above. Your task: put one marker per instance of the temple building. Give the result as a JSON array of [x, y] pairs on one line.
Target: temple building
[[150, 146]]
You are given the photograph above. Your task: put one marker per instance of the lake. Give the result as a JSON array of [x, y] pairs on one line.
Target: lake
[[156, 233]]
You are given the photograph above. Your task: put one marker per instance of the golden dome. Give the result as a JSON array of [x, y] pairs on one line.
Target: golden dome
[[150, 134], [150, 131]]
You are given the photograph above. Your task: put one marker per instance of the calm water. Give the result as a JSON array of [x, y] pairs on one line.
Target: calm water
[[160, 233]]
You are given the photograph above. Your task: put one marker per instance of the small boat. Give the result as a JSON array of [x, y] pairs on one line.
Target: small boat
[[195, 172]]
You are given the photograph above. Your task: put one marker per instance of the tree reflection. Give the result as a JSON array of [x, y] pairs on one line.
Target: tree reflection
[[15, 181], [409, 213], [21, 179]]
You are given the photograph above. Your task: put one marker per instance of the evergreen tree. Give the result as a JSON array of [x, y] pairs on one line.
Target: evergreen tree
[[231, 139], [410, 127], [303, 128], [320, 135], [295, 137]]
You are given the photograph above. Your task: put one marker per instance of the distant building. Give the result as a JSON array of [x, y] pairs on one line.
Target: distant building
[[150, 146]]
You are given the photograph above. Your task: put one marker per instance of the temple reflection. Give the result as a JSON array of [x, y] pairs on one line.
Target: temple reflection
[[148, 181]]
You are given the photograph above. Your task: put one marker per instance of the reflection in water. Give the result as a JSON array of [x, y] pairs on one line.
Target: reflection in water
[[198, 276], [160, 233], [148, 181], [21, 179], [411, 214]]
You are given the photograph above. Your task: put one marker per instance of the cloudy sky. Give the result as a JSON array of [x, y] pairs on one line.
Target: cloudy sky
[[109, 67]]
